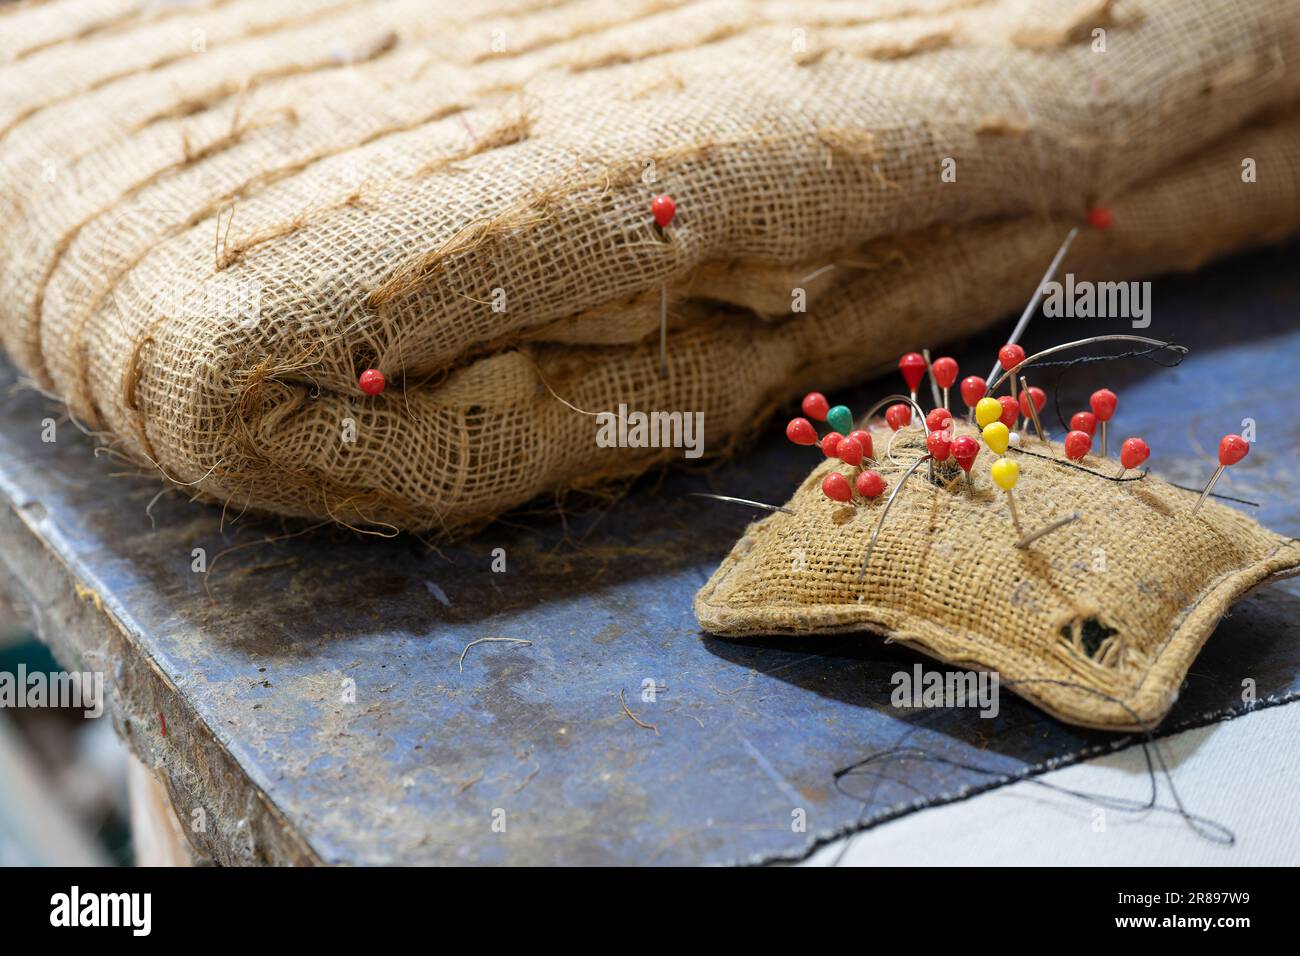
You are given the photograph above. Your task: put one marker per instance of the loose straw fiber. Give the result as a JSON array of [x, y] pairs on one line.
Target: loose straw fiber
[[1096, 622], [214, 216]]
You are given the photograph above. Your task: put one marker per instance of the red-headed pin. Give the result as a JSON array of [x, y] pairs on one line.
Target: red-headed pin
[[1077, 444], [801, 432], [1104, 403], [1132, 453], [965, 450], [1099, 217], [849, 451], [938, 419], [1010, 410], [1083, 422], [973, 389], [1232, 448], [863, 438], [663, 208], [1009, 357], [944, 372], [940, 444], [836, 487], [898, 416], [913, 366], [831, 444], [870, 484], [372, 381], [815, 406]]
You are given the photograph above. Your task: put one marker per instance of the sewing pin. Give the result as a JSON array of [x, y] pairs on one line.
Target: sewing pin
[[965, 450], [849, 451], [1047, 529], [973, 389], [1032, 401], [898, 416], [939, 442], [372, 382], [1010, 410], [815, 406], [863, 438], [1103, 402], [939, 418], [913, 367], [1077, 444], [870, 484], [663, 208], [801, 432], [1232, 448], [840, 419], [1005, 475], [831, 444], [987, 411], [1132, 453], [944, 372], [853, 449], [1101, 218], [836, 487], [1009, 357], [997, 437], [901, 418], [1083, 422]]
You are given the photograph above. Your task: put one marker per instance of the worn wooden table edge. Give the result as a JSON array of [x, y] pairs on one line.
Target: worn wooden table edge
[[85, 630]]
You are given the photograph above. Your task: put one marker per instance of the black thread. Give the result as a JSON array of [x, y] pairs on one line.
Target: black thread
[[1066, 364], [1207, 829], [1070, 464], [1240, 501]]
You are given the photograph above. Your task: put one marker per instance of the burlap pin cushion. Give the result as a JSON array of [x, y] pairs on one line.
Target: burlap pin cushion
[[1097, 623], [215, 216]]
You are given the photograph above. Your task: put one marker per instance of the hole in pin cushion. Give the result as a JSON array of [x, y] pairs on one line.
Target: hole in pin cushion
[[1096, 622], [1093, 639]]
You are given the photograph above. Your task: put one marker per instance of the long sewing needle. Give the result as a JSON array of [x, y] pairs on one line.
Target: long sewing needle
[[741, 501], [866, 558], [1037, 296]]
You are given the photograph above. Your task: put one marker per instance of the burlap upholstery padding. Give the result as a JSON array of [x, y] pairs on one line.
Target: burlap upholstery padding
[[946, 578], [214, 216]]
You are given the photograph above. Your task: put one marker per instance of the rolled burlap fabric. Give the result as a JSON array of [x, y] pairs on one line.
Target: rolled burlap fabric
[[216, 216]]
